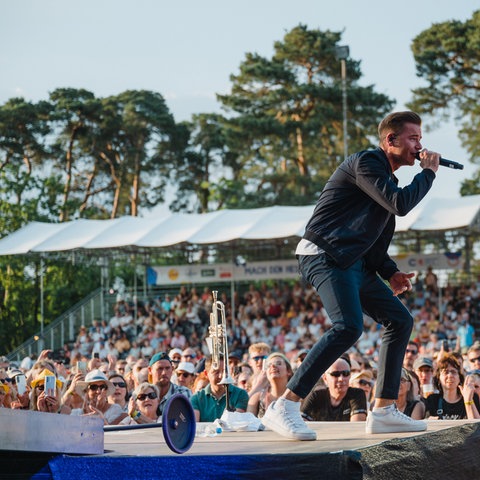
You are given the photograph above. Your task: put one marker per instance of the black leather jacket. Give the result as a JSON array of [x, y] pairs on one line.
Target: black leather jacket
[[355, 213]]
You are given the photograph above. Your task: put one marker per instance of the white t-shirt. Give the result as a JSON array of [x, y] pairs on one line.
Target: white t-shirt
[[306, 247]]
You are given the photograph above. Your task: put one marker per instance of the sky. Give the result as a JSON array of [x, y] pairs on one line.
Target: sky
[[187, 49]]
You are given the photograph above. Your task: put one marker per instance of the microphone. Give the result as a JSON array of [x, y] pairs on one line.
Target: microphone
[[444, 162]]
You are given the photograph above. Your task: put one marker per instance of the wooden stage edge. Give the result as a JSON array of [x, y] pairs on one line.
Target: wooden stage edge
[[331, 437], [343, 450]]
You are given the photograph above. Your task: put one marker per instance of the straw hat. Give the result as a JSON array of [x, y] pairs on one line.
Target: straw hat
[[96, 376], [41, 378]]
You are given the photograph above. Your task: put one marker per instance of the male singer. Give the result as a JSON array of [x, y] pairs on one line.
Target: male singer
[[343, 254]]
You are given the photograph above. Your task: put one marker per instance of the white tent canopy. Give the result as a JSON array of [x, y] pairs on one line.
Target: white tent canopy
[[216, 227]]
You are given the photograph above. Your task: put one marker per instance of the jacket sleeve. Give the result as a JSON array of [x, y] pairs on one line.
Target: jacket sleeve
[[375, 178]]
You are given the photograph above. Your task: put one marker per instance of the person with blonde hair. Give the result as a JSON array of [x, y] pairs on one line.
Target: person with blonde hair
[[279, 371], [143, 405]]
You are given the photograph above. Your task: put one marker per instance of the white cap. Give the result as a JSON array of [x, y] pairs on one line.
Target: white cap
[[185, 367]]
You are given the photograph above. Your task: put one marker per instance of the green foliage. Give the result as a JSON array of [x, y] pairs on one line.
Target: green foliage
[[447, 56], [286, 123]]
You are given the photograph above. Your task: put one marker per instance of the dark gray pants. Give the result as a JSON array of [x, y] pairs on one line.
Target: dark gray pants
[[346, 294]]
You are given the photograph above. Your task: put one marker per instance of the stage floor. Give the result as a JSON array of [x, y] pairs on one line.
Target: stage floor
[[331, 437], [449, 449]]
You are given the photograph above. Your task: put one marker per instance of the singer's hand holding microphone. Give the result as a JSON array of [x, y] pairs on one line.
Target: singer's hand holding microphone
[[444, 162]]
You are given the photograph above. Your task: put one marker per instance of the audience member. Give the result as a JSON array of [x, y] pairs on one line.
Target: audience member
[[257, 355], [185, 374], [4, 390], [279, 371], [160, 372], [473, 356], [408, 402], [453, 402], [143, 406], [45, 401], [423, 367], [121, 394], [411, 354], [96, 388], [338, 402], [365, 381], [210, 402], [261, 313]]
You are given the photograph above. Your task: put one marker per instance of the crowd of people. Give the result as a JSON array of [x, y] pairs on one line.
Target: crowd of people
[[126, 368]]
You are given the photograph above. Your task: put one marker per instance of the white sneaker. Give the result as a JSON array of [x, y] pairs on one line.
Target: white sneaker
[[284, 418], [391, 420]]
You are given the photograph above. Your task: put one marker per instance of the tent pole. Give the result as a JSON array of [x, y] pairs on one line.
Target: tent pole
[[42, 310]]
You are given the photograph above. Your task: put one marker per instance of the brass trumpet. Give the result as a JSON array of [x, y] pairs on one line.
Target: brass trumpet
[[217, 343]]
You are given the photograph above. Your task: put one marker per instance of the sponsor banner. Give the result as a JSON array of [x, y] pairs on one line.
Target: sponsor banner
[[279, 269], [223, 272], [438, 261]]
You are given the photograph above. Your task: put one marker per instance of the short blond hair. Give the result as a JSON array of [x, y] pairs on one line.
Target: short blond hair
[[259, 347]]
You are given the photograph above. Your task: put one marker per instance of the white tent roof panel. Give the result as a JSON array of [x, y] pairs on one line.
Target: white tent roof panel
[[215, 227], [448, 214], [176, 228], [75, 235], [27, 238]]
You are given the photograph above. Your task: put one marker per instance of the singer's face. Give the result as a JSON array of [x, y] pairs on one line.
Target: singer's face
[[406, 145]]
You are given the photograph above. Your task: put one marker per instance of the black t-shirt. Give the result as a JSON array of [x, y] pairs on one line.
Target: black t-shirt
[[318, 407], [438, 407]]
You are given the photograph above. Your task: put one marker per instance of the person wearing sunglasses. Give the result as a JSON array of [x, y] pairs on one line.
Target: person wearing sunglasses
[[279, 371], [143, 405], [411, 354], [185, 374], [44, 401], [364, 380], [120, 395], [473, 355], [338, 402], [257, 356], [97, 388], [408, 401]]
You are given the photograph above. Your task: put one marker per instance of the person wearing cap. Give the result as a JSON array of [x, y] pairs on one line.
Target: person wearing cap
[[4, 363], [234, 360], [96, 388], [19, 401], [175, 355], [338, 402], [300, 357], [189, 355], [423, 367], [160, 371], [4, 391], [185, 374], [43, 401], [364, 381]]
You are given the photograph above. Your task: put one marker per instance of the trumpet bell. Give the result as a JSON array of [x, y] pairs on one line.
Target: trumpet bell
[[226, 380]]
